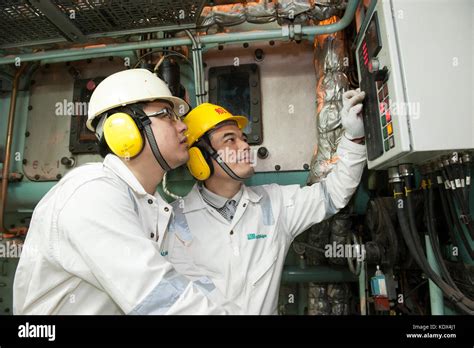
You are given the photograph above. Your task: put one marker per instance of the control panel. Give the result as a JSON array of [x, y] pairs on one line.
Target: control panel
[[418, 93], [377, 117]]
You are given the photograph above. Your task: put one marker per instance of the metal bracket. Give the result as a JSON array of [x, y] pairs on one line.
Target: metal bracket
[[59, 20], [292, 31], [354, 263], [298, 32], [13, 177]]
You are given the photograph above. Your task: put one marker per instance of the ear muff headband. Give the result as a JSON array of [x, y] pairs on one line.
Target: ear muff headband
[[123, 134]]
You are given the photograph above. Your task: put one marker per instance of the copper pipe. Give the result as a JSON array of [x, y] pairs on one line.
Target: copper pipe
[[8, 148]]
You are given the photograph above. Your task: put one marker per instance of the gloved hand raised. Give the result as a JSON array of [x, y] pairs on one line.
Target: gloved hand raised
[[351, 114]]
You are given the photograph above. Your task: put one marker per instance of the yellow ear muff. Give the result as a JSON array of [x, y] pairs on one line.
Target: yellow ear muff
[[197, 164], [122, 135]]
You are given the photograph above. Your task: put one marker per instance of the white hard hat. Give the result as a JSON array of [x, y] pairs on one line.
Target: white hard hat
[[128, 87]]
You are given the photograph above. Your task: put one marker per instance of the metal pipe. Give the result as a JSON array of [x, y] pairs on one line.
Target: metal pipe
[[198, 68], [8, 148], [302, 290], [317, 274], [362, 291], [436, 295], [201, 72], [24, 195], [258, 35]]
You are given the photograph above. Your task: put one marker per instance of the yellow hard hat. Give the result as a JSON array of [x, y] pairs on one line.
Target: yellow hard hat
[[205, 117]]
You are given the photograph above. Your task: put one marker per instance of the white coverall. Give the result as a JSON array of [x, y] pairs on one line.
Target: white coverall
[[245, 257], [93, 248]]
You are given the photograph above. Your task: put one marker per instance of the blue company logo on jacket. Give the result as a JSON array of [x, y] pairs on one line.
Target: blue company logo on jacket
[[251, 236]]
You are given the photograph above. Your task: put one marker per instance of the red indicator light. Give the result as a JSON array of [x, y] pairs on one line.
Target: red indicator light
[[381, 107]]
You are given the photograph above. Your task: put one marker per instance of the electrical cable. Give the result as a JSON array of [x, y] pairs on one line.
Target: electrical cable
[[165, 187], [404, 204], [198, 73], [446, 213], [458, 225], [431, 224], [460, 202], [171, 53]]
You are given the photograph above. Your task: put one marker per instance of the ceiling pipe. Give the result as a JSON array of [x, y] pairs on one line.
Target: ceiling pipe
[[285, 33]]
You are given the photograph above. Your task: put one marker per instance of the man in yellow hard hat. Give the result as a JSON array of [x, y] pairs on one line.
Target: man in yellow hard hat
[[93, 246], [238, 235]]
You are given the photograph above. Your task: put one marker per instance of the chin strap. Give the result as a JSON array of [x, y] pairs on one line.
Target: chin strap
[[145, 123], [213, 153], [155, 149]]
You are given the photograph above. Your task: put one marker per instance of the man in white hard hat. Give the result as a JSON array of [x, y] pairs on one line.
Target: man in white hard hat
[[237, 235], [93, 246]]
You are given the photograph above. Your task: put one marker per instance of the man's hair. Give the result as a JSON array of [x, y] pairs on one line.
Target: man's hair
[[104, 149]]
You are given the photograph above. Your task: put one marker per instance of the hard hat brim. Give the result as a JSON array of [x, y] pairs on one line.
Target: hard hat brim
[[241, 121]]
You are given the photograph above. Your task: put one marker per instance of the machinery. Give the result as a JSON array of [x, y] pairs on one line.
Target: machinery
[[405, 239]]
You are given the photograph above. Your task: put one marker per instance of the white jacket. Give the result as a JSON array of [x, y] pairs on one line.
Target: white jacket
[[245, 257], [93, 248]]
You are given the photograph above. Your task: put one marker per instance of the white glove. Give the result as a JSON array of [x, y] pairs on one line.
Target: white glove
[[351, 114]]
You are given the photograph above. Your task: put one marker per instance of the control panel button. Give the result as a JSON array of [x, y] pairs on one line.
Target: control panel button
[[385, 133], [381, 75], [391, 142], [383, 120], [390, 128], [386, 145], [385, 90], [381, 92], [380, 96]]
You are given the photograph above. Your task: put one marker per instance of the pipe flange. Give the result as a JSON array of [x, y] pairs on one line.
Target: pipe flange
[[297, 32], [406, 169], [355, 262], [466, 158], [393, 175]]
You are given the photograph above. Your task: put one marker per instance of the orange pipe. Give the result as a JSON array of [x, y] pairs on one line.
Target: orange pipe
[[8, 148]]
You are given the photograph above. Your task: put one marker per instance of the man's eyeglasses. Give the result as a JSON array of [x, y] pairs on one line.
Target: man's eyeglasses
[[166, 112]]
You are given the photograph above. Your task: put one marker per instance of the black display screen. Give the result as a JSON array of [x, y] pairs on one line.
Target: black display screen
[[372, 36]]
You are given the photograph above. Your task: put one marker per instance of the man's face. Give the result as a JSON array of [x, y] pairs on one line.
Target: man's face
[[169, 135], [232, 146]]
